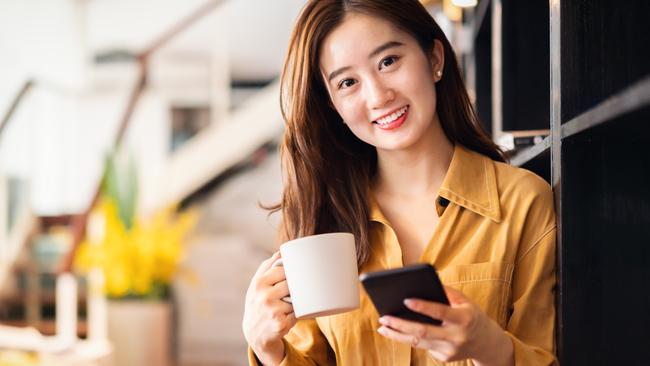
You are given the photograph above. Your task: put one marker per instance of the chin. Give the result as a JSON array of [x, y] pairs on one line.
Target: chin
[[403, 140], [395, 145]]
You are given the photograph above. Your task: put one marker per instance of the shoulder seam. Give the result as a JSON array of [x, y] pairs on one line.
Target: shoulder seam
[[536, 243]]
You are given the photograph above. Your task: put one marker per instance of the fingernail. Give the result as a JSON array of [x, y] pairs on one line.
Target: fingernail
[[383, 320], [381, 331], [409, 302]]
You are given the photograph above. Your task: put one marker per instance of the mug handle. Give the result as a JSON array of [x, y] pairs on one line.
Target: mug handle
[[278, 262]]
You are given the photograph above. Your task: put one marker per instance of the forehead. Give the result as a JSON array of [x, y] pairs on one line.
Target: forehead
[[355, 38]]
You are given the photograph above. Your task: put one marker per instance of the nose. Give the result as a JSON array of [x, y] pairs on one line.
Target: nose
[[378, 94]]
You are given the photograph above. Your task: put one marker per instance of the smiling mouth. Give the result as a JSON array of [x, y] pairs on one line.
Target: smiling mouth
[[392, 120]]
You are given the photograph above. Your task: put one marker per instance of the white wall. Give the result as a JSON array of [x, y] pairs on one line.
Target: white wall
[[57, 141], [60, 135], [61, 132], [41, 39], [130, 24], [149, 139], [258, 30]]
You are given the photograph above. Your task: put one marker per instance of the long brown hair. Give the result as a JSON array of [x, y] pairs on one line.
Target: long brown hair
[[328, 170]]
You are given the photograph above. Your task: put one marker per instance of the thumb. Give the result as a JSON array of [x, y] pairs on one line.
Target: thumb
[[455, 297]]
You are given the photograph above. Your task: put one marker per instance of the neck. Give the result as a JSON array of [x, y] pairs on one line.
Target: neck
[[418, 170]]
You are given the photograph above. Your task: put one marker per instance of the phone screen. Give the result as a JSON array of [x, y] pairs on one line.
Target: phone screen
[[388, 289]]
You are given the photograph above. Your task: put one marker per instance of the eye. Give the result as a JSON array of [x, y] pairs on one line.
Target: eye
[[346, 83], [387, 61]]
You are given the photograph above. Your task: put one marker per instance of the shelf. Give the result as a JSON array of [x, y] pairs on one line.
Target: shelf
[[524, 156], [633, 98], [580, 68], [48, 326]]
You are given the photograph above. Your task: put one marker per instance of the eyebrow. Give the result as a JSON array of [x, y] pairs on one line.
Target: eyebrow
[[375, 52]]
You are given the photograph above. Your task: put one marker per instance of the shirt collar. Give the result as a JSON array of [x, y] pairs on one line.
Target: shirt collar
[[470, 182]]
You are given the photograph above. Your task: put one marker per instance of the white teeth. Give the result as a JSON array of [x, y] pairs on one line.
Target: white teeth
[[392, 117]]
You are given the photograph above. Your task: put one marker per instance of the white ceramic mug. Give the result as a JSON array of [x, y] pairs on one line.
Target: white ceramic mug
[[322, 274]]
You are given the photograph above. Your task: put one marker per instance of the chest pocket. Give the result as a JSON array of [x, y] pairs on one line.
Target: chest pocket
[[487, 284]]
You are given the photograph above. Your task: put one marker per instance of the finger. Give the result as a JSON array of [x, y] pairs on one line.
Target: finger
[[272, 301], [455, 297], [399, 337], [266, 264], [420, 330], [280, 289], [273, 276], [289, 322], [436, 310], [285, 308], [291, 317], [438, 355]]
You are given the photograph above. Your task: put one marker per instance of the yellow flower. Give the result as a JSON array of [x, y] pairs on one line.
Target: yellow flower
[[18, 358], [140, 261]]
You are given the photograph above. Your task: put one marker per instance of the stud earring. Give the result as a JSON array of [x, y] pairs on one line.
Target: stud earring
[[439, 74]]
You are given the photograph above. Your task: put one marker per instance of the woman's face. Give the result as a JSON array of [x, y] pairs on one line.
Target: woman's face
[[380, 81]]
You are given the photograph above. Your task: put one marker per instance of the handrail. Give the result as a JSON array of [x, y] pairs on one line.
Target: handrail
[[79, 223], [28, 223], [179, 27], [20, 96]]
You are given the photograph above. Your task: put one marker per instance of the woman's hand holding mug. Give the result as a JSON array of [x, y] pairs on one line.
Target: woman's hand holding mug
[[322, 270], [267, 318]]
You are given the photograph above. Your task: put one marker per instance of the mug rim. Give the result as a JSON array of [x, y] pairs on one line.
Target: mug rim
[[293, 241]]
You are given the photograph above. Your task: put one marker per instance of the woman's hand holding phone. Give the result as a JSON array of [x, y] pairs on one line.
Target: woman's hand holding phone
[[466, 331], [267, 318]]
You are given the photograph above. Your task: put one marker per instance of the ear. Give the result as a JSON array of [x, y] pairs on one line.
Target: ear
[[437, 60]]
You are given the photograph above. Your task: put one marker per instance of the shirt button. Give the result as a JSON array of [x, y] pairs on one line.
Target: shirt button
[[443, 201]]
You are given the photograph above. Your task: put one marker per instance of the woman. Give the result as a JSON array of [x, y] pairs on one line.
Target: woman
[[381, 141]]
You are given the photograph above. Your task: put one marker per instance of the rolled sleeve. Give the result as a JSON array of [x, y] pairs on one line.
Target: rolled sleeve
[[304, 345]]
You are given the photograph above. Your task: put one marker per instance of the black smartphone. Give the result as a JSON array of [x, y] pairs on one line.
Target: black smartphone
[[388, 289]]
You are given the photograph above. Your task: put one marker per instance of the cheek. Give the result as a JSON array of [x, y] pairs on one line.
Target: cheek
[[353, 113], [423, 90], [421, 82], [350, 110]]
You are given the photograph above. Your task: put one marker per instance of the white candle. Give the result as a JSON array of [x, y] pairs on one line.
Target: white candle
[[97, 312], [66, 307], [4, 230]]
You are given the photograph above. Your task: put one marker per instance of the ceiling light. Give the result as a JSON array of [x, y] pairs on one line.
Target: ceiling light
[[464, 3]]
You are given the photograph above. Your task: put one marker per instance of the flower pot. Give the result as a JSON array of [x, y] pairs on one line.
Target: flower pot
[[140, 332]]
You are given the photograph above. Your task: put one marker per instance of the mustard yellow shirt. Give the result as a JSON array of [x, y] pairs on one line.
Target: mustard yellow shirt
[[495, 242]]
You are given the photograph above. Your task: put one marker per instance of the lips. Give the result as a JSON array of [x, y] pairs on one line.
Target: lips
[[392, 120]]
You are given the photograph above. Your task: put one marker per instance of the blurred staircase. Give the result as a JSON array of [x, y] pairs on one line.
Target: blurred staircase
[[35, 250]]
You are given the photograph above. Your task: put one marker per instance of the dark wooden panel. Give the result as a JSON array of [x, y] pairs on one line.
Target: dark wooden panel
[[606, 243], [636, 96], [526, 75], [483, 57], [605, 48]]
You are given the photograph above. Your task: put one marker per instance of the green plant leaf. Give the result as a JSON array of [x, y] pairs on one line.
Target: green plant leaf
[[120, 184]]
